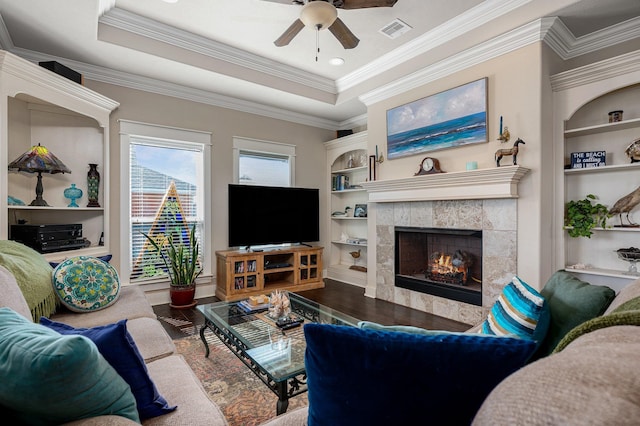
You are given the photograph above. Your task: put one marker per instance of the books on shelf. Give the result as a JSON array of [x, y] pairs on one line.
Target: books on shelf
[[357, 240], [339, 182]]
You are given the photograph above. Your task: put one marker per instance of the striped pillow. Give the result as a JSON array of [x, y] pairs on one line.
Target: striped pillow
[[520, 311]]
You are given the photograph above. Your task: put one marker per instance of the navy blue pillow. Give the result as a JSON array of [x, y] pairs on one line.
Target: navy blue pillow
[[363, 376], [117, 346]]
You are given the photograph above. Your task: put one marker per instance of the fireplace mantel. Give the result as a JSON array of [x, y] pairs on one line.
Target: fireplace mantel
[[498, 182]]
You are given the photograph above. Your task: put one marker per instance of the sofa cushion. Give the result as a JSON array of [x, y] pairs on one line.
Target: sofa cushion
[[33, 275], [520, 311], [360, 376], [626, 314], [571, 302], [86, 284], [592, 381], [119, 349], [132, 303], [11, 296], [48, 378], [629, 292]]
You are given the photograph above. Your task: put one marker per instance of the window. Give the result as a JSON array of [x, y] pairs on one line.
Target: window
[[166, 188], [263, 163]]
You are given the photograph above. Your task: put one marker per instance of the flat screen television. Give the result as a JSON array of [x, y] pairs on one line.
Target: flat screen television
[[263, 215]]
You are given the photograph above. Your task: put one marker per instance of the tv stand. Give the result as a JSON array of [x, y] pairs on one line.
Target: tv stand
[[244, 273]]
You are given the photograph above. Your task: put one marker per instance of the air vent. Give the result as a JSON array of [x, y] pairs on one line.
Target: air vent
[[395, 28]]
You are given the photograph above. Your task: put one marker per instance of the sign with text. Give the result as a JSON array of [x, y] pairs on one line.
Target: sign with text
[[583, 160]]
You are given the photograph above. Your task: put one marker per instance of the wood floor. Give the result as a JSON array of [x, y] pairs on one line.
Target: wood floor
[[339, 296]]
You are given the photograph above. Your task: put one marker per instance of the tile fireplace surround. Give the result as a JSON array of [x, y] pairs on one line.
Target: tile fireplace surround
[[480, 200]]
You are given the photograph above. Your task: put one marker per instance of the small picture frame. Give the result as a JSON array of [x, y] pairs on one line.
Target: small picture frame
[[360, 210]]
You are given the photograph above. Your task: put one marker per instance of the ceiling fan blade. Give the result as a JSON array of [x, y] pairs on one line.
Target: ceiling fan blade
[[344, 34], [290, 33], [362, 4]]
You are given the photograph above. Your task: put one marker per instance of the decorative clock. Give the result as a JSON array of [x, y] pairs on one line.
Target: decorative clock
[[429, 165]]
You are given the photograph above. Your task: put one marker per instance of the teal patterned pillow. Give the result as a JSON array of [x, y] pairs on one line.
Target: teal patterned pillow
[[86, 284], [520, 311]]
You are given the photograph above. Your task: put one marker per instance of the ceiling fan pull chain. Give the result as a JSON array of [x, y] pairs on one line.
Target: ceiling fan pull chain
[[317, 41]]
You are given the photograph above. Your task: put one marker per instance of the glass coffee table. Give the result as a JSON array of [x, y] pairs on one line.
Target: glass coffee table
[[274, 354]]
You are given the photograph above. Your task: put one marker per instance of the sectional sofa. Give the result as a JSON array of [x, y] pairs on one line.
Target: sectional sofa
[[586, 371], [171, 383]]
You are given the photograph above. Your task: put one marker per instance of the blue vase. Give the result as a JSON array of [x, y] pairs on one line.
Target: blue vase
[[73, 194]]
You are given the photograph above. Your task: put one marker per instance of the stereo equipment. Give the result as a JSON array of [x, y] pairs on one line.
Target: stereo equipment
[[50, 238]]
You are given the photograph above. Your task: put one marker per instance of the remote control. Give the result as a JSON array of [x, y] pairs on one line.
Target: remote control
[[292, 325]]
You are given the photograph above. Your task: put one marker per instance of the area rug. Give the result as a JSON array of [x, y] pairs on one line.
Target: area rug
[[243, 398]]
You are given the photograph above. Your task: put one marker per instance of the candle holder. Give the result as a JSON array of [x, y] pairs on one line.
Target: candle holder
[[504, 135]]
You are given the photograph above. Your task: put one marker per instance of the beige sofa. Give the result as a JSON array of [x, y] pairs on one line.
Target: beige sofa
[[594, 379], [170, 373]]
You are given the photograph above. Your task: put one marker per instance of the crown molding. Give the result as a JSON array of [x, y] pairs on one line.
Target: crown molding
[[139, 25], [567, 46], [598, 71], [136, 82], [473, 18], [505, 43]]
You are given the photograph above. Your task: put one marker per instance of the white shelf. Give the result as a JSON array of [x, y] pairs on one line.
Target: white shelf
[[348, 218], [351, 170], [617, 229], [348, 244], [76, 209], [342, 191], [615, 167], [602, 128], [613, 273]]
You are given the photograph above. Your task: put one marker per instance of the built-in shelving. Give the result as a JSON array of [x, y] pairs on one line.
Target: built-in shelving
[[72, 121], [582, 125], [347, 156]]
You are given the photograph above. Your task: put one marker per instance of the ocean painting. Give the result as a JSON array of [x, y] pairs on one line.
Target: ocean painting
[[448, 119]]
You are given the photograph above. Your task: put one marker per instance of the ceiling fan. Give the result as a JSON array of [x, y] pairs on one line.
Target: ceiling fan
[[321, 14]]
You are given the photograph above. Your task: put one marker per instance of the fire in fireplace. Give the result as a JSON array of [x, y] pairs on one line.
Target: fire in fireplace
[[442, 262]]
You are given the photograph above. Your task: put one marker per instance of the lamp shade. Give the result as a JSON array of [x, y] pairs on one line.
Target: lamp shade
[[318, 14], [38, 159]]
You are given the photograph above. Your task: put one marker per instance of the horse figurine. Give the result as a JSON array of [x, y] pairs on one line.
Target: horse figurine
[[510, 151]]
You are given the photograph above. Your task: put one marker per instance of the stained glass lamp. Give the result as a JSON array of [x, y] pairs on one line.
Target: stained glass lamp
[[38, 159]]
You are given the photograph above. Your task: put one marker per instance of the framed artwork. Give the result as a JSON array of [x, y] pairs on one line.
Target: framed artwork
[[360, 210], [455, 117]]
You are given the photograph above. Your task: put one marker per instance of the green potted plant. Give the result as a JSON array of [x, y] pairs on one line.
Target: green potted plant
[[182, 265], [582, 216]]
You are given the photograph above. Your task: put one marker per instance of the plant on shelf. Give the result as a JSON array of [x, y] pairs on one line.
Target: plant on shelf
[[181, 264], [582, 216]]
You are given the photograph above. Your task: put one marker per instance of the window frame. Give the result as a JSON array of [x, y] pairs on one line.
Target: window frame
[[268, 148], [167, 137]]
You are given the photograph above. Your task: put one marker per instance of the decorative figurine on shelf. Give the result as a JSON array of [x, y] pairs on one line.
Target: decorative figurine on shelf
[[625, 205], [73, 194], [356, 255], [280, 305], [93, 183], [633, 151], [513, 151], [341, 214]]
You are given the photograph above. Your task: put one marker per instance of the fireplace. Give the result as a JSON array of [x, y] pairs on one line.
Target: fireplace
[[442, 262]]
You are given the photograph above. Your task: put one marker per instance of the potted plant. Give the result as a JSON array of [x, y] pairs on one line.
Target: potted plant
[[582, 216], [182, 265]]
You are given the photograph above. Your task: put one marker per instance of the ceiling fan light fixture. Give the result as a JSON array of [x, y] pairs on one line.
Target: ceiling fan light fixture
[[318, 14], [336, 61]]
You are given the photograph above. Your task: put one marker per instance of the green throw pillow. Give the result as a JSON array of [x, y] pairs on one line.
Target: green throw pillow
[[572, 302], [33, 275], [50, 379]]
